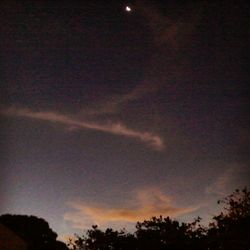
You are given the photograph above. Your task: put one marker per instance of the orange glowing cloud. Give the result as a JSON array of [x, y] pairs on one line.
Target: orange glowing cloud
[[147, 203], [113, 128]]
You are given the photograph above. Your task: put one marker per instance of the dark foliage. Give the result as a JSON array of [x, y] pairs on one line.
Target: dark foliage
[[230, 230], [161, 233], [102, 240], [34, 231]]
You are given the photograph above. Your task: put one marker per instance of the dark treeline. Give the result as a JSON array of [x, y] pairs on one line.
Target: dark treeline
[[228, 230], [34, 232]]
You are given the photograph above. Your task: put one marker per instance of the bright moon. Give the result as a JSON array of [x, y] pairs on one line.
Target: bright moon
[[128, 9]]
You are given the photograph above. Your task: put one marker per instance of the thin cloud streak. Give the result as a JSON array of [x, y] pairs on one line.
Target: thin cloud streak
[[112, 128], [148, 203], [230, 179], [168, 31], [115, 102]]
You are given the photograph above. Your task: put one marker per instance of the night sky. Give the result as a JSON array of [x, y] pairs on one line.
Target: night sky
[[109, 117]]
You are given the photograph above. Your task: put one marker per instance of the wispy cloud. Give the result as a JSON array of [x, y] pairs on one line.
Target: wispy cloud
[[147, 203], [114, 103], [167, 32], [230, 179], [113, 128], [173, 32]]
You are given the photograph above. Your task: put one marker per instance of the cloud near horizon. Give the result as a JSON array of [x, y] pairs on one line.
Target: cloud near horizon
[[154, 141], [231, 178], [147, 203]]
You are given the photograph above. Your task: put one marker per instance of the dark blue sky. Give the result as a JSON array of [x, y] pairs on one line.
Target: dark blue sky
[[111, 117]]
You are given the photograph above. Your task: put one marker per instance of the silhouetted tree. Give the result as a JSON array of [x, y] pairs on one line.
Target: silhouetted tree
[[109, 239], [162, 233], [231, 228], [197, 235], [229, 231], [35, 231]]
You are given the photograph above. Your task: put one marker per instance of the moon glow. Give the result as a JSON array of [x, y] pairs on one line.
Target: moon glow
[[128, 9]]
